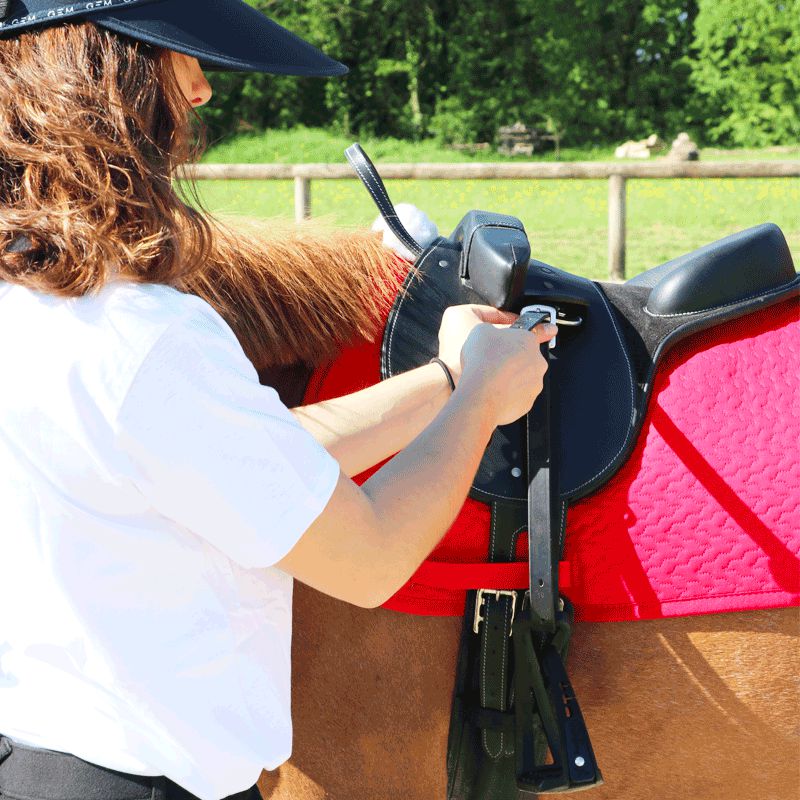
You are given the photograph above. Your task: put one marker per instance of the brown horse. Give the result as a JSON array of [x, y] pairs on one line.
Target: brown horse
[[694, 707]]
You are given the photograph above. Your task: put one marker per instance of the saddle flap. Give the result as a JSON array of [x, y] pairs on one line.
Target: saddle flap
[[495, 256]]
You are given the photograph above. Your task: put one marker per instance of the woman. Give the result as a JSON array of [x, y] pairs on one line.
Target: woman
[[155, 500]]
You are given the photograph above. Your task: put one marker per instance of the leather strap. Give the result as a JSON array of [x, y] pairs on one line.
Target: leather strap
[[543, 525], [508, 522], [543, 518], [365, 170]]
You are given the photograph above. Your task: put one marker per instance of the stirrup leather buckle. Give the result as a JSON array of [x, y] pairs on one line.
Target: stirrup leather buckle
[[480, 601]]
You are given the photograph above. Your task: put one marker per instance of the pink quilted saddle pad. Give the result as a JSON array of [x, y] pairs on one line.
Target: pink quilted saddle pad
[[705, 515]]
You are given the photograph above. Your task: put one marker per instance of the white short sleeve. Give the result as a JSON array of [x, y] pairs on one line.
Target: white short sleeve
[[218, 453]]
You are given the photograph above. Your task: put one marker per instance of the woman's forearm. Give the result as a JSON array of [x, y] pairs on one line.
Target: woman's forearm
[[369, 540], [364, 428]]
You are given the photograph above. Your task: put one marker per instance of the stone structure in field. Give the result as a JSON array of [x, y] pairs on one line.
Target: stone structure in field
[[684, 149], [516, 140], [641, 149]]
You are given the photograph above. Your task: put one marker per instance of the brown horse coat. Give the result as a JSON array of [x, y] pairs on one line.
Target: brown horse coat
[[692, 707]]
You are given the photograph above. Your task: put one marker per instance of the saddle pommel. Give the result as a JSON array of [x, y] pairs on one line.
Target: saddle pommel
[[494, 257]]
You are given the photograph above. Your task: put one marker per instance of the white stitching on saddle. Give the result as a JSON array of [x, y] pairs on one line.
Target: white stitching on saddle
[[491, 556], [732, 304], [485, 734], [415, 271], [503, 674], [562, 528], [632, 389], [401, 234]]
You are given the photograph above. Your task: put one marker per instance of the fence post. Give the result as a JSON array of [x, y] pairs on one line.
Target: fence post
[[616, 227], [302, 199]]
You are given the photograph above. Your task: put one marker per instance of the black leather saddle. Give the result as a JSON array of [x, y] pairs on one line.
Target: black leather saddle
[[513, 703], [611, 336]]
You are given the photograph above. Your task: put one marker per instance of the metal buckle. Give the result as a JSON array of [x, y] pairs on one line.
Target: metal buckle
[[498, 593], [542, 309]]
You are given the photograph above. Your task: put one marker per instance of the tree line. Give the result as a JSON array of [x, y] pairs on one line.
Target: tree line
[[595, 71]]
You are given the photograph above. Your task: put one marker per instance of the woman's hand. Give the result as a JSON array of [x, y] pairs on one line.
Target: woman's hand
[[504, 369], [457, 324]]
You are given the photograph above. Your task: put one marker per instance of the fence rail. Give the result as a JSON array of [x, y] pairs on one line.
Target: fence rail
[[617, 175]]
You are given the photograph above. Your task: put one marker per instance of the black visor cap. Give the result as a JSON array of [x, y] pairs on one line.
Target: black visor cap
[[222, 34]]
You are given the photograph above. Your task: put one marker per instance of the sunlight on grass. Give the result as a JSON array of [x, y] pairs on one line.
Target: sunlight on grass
[[565, 219]]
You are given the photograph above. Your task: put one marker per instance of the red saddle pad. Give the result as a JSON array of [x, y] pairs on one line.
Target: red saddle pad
[[704, 517]]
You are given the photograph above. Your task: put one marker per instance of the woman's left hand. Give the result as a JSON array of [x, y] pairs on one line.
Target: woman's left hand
[[457, 324]]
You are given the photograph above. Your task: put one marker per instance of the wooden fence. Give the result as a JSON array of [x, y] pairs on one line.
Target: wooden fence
[[617, 175]]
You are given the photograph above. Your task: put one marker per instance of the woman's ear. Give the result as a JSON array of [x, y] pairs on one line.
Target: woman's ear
[[189, 75]]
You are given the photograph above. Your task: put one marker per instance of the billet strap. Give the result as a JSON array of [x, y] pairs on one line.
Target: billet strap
[[494, 616], [365, 170], [543, 502]]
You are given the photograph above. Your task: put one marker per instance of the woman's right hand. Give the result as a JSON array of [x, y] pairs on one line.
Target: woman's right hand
[[505, 368]]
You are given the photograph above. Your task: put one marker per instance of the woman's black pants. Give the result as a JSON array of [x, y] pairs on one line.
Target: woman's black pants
[[28, 773]]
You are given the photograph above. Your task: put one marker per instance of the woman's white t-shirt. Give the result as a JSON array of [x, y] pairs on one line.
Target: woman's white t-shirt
[[148, 484]]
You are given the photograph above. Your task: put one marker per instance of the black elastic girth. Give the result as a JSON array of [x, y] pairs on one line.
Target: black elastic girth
[[372, 180]]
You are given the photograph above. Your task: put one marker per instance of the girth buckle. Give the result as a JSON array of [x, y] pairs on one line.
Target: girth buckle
[[480, 601], [540, 308]]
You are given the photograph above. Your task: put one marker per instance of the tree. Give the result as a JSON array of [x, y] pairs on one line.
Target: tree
[[614, 69], [746, 71]]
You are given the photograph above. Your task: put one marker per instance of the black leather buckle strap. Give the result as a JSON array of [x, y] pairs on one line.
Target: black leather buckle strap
[[365, 170], [494, 616], [543, 532], [543, 528]]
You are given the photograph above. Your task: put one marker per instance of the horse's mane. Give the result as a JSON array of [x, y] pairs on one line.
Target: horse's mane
[[298, 294]]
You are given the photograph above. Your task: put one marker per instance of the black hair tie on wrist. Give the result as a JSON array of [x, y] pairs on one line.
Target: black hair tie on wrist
[[446, 371]]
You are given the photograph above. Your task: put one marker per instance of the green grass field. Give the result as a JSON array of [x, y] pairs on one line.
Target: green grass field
[[566, 220]]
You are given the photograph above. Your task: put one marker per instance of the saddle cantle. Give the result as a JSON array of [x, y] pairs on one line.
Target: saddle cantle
[[513, 703]]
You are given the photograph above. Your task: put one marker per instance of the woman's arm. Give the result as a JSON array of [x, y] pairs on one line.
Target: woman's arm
[[364, 428], [369, 540], [367, 427]]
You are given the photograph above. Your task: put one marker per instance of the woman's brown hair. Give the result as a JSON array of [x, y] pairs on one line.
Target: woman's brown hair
[[93, 126]]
